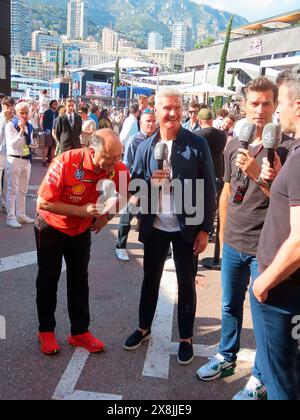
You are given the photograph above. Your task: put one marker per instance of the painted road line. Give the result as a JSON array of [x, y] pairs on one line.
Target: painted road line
[[158, 356], [66, 388], [2, 328], [160, 346], [19, 261]]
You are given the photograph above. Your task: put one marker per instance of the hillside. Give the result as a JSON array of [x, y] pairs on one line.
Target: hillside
[[136, 18]]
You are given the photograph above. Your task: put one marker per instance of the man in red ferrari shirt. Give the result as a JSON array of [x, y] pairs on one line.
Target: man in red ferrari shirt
[[67, 212]]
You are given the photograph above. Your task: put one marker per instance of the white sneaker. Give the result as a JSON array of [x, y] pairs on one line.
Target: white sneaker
[[170, 265], [122, 254], [253, 391], [216, 368], [13, 224], [25, 220]]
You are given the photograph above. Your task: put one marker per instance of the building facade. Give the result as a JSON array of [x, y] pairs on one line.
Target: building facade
[[250, 49], [5, 47], [20, 27], [182, 37], [110, 40], [155, 41], [41, 40], [77, 19]]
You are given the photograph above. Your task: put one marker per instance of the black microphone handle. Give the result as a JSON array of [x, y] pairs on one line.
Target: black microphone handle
[[160, 165], [271, 157]]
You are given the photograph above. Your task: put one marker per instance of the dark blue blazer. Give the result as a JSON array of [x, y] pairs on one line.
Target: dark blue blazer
[[191, 160], [48, 119]]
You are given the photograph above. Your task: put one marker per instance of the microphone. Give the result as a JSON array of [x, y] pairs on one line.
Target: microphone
[[108, 195], [246, 137], [161, 154], [107, 190], [271, 139]]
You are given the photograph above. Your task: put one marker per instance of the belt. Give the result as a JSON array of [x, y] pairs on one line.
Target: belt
[[20, 157]]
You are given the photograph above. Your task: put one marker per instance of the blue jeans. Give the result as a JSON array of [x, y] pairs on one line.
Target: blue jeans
[[278, 355], [237, 268]]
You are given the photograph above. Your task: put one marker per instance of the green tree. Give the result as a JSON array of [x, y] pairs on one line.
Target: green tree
[[57, 63], [117, 77], [63, 63], [222, 68]]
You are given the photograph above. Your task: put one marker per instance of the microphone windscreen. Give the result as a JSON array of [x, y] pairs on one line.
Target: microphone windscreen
[[247, 133], [107, 188], [271, 136], [160, 151]]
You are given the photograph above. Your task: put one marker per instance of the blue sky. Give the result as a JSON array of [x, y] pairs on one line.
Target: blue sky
[[254, 9]]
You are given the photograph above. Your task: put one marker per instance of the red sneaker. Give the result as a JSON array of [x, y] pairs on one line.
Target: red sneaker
[[88, 342], [48, 343]]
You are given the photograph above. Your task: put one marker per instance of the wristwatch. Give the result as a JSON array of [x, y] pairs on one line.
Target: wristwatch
[[109, 216], [262, 183]]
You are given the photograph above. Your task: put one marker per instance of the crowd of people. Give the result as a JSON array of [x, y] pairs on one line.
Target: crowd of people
[[162, 140]]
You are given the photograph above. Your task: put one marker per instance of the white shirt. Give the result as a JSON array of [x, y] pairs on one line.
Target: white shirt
[[130, 128], [3, 122], [166, 219], [15, 142], [87, 125]]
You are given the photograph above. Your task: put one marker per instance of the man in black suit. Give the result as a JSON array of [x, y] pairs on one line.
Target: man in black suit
[[68, 129], [188, 162]]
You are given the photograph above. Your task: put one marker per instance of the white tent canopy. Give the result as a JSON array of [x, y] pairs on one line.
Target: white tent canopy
[[209, 88], [154, 87], [125, 63], [211, 76]]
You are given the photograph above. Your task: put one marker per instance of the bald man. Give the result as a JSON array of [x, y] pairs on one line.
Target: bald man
[[67, 212]]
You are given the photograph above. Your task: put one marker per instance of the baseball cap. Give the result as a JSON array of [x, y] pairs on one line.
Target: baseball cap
[[205, 115]]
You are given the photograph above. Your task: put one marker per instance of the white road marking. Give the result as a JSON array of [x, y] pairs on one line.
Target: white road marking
[[158, 356], [160, 346], [19, 261], [2, 328], [66, 388]]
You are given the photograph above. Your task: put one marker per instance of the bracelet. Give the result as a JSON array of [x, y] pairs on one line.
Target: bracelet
[[263, 183]]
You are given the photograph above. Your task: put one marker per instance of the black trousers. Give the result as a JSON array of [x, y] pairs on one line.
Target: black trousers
[[124, 229], [156, 251], [52, 246]]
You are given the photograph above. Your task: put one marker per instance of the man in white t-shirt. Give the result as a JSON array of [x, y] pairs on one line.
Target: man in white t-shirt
[[187, 161]]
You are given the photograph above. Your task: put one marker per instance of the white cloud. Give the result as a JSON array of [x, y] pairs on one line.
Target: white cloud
[[254, 9]]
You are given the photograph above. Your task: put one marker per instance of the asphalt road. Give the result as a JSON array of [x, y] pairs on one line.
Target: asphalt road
[[150, 373]]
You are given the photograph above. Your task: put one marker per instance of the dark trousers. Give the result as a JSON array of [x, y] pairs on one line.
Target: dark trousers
[[124, 229], [156, 251], [278, 355], [52, 246]]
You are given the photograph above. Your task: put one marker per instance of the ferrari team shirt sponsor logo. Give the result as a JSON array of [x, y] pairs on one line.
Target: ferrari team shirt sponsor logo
[[78, 189]]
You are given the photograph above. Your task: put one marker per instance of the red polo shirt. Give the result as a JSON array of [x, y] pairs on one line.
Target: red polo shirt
[[71, 180]]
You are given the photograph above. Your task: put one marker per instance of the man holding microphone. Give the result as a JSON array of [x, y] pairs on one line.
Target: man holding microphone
[[67, 212], [275, 296], [187, 159]]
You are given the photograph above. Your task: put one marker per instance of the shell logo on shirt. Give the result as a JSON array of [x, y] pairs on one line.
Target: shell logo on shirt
[[78, 189]]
